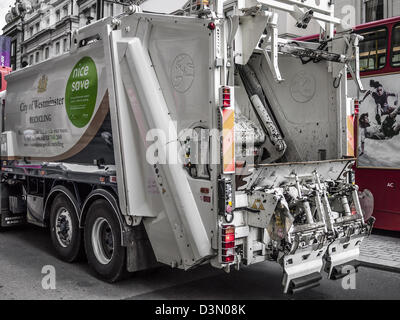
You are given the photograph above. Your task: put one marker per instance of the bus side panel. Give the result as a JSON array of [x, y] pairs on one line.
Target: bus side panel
[[385, 186], [378, 166]]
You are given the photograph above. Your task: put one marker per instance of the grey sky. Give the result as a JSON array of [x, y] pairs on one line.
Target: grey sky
[[162, 5]]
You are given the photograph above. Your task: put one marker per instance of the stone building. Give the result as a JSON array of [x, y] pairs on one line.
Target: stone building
[[41, 29], [353, 12], [88, 10], [14, 30], [364, 11], [48, 29]]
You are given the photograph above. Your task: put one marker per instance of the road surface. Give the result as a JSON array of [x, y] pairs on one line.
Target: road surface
[[25, 251]]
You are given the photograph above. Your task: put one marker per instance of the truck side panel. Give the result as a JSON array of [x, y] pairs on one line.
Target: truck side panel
[[59, 110]]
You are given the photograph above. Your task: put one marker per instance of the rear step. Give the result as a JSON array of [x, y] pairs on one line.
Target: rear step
[[342, 270], [304, 283]]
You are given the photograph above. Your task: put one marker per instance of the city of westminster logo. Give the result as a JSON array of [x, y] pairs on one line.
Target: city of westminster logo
[[42, 86]]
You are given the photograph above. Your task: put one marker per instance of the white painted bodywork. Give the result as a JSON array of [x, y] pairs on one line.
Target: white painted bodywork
[[165, 72]]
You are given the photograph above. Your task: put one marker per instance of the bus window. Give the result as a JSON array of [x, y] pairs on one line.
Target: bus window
[[396, 46], [373, 50]]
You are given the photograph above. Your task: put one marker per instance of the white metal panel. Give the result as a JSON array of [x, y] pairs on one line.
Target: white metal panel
[[180, 54], [141, 198], [305, 107], [148, 109]]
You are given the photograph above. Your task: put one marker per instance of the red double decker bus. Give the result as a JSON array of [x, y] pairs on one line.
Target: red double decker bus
[[378, 150], [378, 123]]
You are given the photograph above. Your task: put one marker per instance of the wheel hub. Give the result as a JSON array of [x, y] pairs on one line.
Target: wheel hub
[[63, 227], [103, 241]]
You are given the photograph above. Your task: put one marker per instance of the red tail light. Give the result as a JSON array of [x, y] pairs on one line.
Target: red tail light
[[228, 244], [356, 107], [229, 259], [229, 238], [226, 97]]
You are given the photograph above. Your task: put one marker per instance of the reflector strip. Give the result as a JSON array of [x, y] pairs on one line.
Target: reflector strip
[[350, 136], [228, 142]]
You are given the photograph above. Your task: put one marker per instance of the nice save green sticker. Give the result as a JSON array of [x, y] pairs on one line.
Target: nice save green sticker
[[81, 92]]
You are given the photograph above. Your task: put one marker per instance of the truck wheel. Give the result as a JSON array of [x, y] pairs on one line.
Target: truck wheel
[[104, 251], [64, 228]]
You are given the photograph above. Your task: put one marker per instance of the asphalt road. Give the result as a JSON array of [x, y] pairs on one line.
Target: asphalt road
[[24, 252]]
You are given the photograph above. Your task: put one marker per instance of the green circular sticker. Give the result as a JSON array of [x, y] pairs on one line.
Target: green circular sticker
[[81, 92]]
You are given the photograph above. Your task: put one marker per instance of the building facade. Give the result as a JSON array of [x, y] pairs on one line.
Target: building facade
[[92, 10], [14, 30], [353, 12], [48, 29], [363, 11], [41, 29]]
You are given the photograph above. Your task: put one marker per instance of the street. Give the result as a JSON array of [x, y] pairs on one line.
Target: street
[[25, 251]]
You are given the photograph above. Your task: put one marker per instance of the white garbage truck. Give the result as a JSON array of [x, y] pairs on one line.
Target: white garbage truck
[[190, 138]]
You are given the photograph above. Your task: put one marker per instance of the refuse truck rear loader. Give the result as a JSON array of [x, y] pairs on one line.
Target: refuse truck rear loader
[[190, 138]]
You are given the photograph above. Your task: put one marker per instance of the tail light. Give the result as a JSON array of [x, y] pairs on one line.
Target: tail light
[[226, 97], [356, 107], [228, 244]]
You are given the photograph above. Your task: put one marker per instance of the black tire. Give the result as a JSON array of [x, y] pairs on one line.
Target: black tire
[[71, 249], [102, 230]]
